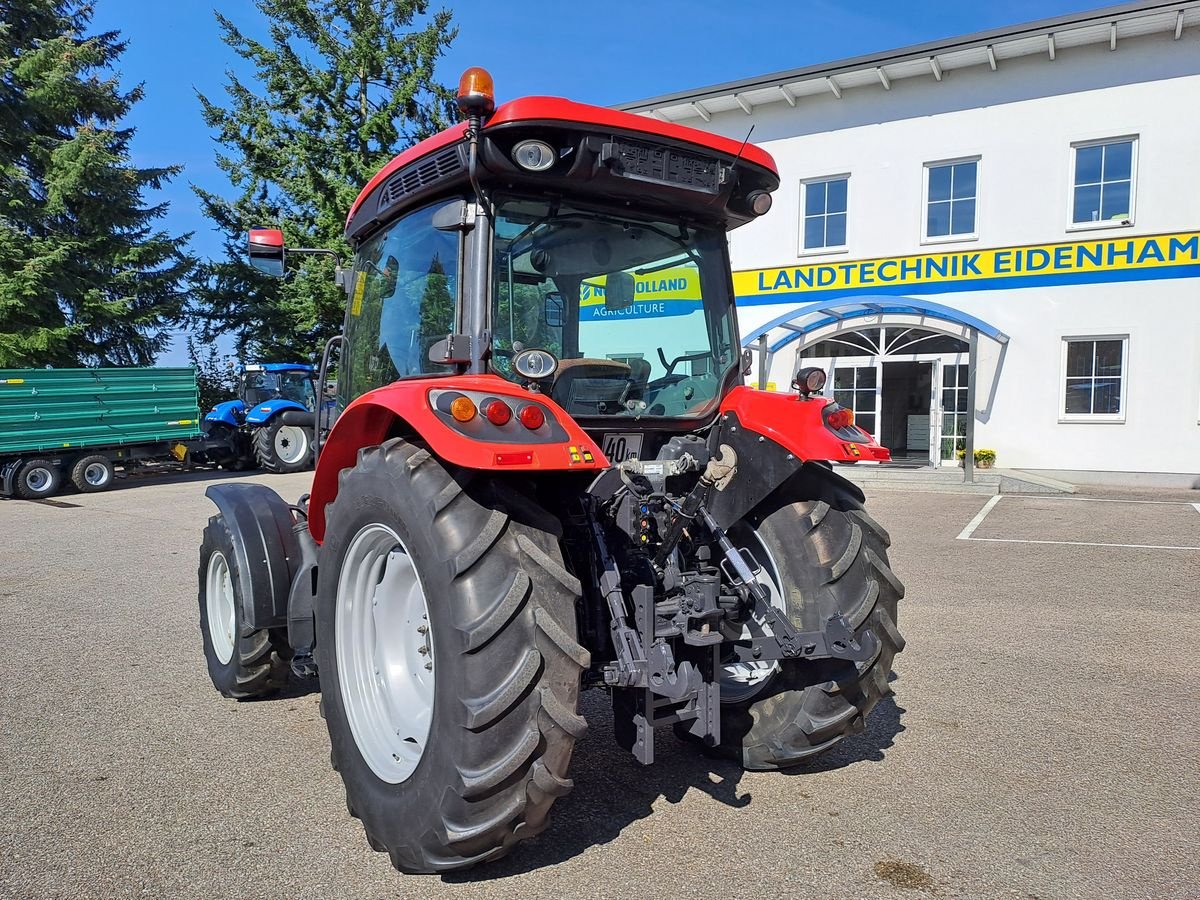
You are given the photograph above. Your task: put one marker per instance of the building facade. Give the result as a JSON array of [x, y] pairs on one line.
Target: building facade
[[1006, 223]]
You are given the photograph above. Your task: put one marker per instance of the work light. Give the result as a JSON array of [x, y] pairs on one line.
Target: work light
[[760, 202], [534, 156], [809, 380]]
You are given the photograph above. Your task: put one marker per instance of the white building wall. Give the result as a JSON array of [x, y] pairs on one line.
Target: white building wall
[[1021, 120]]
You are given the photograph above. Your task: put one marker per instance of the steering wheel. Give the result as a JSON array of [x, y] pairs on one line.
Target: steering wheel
[[687, 357]]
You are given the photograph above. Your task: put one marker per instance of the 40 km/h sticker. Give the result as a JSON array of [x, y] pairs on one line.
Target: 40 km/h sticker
[[619, 447]]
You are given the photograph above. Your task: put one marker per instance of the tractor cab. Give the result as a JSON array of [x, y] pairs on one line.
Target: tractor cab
[[576, 253], [292, 383]]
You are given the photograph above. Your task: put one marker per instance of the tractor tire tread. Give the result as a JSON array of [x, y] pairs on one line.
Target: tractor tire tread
[[817, 704], [511, 606], [255, 670]]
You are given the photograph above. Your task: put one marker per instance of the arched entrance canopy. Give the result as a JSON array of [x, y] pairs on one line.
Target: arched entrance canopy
[[804, 320], [810, 321]]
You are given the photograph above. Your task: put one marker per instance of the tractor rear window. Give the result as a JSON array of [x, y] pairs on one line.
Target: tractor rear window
[[403, 300], [638, 311]]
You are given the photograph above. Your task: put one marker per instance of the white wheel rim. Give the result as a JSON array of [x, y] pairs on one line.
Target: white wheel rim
[[384, 653], [741, 681], [291, 443], [95, 474], [38, 479], [221, 605]]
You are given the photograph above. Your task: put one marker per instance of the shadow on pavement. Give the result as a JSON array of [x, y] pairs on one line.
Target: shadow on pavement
[[176, 476], [612, 791]]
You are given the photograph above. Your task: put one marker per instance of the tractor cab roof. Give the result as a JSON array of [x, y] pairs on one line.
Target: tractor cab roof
[[607, 153], [279, 367]]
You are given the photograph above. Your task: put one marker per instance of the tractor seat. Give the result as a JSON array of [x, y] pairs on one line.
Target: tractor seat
[[590, 386]]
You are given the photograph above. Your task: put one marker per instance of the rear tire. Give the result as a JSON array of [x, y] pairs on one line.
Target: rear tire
[[242, 662], [283, 448], [38, 479], [501, 634], [93, 474], [831, 557]]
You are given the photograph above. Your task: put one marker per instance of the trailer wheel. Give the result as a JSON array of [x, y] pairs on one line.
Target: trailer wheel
[[819, 557], [92, 474], [38, 479], [449, 661], [242, 662], [282, 448]]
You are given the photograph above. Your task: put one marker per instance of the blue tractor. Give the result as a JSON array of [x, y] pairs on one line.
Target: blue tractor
[[272, 420]]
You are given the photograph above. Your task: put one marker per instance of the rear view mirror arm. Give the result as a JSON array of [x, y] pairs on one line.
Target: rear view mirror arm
[[339, 273]]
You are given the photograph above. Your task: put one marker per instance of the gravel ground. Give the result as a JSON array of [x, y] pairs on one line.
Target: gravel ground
[[1042, 741]]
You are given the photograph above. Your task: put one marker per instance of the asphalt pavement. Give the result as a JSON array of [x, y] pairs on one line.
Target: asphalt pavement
[[1043, 741]]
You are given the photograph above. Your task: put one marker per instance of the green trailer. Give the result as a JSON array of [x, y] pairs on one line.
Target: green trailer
[[81, 424]]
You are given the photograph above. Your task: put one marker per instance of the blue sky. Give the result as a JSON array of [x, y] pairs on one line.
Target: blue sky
[[602, 53]]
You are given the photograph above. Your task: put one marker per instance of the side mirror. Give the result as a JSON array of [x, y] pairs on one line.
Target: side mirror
[[267, 251], [553, 309], [618, 291]]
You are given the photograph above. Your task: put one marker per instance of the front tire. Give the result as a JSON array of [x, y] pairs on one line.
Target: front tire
[[283, 448], [241, 660], [826, 556], [479, 765]]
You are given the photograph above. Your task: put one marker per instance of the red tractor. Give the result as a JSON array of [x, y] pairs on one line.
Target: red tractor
[[548, 475]]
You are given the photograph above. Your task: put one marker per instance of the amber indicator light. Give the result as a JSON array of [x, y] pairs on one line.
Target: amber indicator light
[[462, 409]]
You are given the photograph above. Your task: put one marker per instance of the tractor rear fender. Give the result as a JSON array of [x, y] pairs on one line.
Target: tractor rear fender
[[799, 425], [262, 413], [412, 408], [267, 549], [778, 437]]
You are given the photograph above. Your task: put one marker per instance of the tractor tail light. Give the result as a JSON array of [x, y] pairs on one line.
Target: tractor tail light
[[532, 417], [498, 412], [462, 409], [837, 417]]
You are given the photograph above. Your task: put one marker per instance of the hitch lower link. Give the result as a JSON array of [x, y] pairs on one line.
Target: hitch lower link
[[835, 641], [653, 690]]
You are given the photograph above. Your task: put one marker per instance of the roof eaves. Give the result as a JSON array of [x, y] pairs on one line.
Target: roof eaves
[[915, 51]]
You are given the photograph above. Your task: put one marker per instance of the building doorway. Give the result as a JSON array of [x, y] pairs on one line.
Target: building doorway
[[906, 385], [907, 409]]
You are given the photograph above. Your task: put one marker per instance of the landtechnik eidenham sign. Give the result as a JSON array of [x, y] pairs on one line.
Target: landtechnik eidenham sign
[[1076, 262]]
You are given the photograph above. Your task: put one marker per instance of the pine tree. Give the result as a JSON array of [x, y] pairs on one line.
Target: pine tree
[[86, 276], [339, 88], [216, 375]]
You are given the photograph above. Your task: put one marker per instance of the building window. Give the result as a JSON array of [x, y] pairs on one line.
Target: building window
[[1094, 383], [825, 213], [854, 387], [1102, 192], [950, 194], [954, 411]]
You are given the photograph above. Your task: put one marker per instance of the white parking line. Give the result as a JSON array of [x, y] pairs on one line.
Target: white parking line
[[1102, 500], [1077, 543], [965, 534]]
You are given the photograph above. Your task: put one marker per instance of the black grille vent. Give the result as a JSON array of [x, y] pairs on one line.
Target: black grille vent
[[413, 178], [665, 165]]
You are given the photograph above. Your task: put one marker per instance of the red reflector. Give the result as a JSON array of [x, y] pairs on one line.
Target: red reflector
[[515, 459], [498, 412], [532, 417]]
